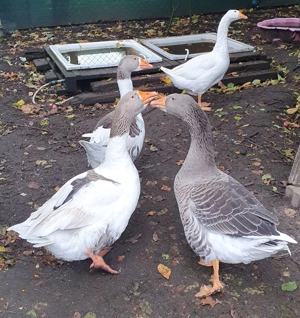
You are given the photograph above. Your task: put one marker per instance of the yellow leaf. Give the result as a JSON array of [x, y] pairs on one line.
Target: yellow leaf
[[166, 80], [164, 271], [165, 188], [19, 103]]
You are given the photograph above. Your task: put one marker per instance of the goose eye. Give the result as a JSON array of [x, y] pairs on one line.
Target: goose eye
[[173, 98]]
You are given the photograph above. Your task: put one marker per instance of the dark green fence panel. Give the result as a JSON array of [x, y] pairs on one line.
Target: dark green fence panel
[[41, 13]]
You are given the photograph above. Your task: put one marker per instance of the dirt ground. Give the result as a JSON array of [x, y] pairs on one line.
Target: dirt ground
[[255, 143]]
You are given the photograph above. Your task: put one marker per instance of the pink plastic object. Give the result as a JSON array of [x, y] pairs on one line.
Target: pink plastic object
[[286, 29]]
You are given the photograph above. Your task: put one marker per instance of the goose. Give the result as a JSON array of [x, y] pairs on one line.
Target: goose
[[91, 210], [200, 73], [222, 220], [96, 147]]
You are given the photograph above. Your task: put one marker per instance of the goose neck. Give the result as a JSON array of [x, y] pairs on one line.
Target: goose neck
[[200, 157], [222, 32]]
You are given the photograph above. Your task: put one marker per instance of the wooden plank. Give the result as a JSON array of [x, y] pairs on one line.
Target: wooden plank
[[248, 66], [249, 77]]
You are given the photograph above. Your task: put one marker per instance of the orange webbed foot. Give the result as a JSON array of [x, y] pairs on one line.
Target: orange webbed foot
[[207, 290], [98, 262]]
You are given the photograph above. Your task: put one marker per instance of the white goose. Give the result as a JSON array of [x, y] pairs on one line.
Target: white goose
[[200, 73], [91, 210], [96, 147], [222, 220]]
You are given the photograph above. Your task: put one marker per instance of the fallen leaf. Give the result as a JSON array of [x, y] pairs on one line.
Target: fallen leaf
[[256, 163], [151, 213], [27, 253], [120, 258], [205, 291], [19, 103], [290, 286], [166, 80], [2, 249], [40, 148], [165, 188], [257, 172], [56, 188], [153, 148], [163, 211], [76, 315], [209, 301], [154, 237], [289, 212], [133, 239], [164, 271], [90, 314], [26, 109], [179, 162], [41, 162], [151, 183], [33, 185]]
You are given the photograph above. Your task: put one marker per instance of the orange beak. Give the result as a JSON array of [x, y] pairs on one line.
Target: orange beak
[[159, 103], [144, 64], [242, 16], [147, 97]]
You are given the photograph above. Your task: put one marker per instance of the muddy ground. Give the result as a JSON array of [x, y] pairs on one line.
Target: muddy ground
[[255, 143]]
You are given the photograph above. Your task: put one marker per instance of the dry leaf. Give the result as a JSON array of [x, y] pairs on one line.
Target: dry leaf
[[209, 301], [41, 162], [153, 148], [56, 188], [205, 291], [166, 79], [164, 271], [151, 183], [257, 172], [27, 253], [77, 315], [179, 162], [133, 239], [151, 213], [120, 258], [165, 188], [256, 163], [289, 212], [154, 237], [33, 185], [26, 109]]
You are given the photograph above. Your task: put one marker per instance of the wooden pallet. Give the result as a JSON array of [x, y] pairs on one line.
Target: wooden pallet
[[101, 85]]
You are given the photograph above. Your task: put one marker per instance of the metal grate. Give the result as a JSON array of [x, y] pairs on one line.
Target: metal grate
[[95, 57]]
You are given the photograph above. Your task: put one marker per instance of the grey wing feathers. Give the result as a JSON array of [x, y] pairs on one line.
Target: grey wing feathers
[[105, 121], [227, 207]]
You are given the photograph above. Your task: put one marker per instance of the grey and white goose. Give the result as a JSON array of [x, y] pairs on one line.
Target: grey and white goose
[[90, 211], [95, 148], [222, 220]]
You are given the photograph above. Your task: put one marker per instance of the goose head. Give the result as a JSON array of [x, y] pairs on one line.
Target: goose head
[[175, 104], [233, 15], [132, 63], [132, 103]]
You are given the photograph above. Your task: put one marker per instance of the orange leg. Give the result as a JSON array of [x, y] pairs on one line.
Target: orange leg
[[203, 105], [98, 261], [217, 285]]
